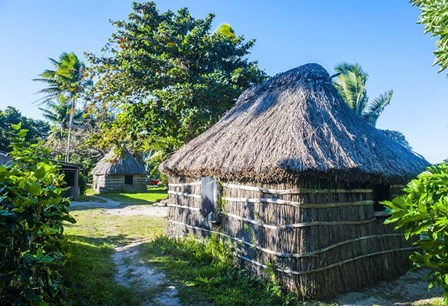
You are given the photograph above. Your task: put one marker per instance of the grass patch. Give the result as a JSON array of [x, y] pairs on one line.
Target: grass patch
[[89, 272], [115, 230], [205, 274], [90, 191], [153, 194], [90, 198]]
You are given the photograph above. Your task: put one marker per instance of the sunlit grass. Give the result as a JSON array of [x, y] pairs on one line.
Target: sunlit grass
[[90, 198], [89, 272], [153, 194], [95, 223], [204, 274]]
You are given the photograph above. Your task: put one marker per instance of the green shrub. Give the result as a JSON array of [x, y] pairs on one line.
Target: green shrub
[[423, 212], [82, 183], [32, 209]]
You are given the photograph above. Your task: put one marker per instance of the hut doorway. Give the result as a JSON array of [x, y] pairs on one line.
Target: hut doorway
[[128, 179], [381, 192]]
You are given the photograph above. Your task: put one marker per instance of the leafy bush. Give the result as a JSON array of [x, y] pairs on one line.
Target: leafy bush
[[82, 183], [423, 212], [32, 209], [433, 18]]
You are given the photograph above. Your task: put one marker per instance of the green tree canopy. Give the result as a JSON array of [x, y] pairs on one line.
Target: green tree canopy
[[37, 129], [65, 83], [226, 30], [351, 84], [434, 18], [165, 77]]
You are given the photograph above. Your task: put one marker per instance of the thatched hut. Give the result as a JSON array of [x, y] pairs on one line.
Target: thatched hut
[[119, 174], [293, 178]]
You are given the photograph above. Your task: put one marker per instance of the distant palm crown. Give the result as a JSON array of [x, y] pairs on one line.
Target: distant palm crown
[[351, 84]]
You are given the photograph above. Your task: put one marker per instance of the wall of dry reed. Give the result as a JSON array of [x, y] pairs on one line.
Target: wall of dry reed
[[115, 183], [320, 237]]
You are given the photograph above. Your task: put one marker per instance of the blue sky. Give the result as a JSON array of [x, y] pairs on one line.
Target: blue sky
[[381, 35]]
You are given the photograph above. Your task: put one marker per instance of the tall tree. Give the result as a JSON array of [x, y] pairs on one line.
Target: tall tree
[[58, 115], [351, 84], [434, 18], [167, 77], [38, 130], [67, 80]]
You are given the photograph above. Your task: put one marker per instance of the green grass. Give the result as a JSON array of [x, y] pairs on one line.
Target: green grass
[[90, 198], [89, 276], [90, 191], [89, 273], [205, 275], [154, 194], [111, 229]]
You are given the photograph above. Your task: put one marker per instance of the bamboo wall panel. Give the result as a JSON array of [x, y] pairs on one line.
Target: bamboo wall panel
[[322, 238], [115, 183]]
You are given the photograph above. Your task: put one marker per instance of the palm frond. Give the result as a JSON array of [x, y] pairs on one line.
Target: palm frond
[[65, 79], [377, 106], [351, 86]]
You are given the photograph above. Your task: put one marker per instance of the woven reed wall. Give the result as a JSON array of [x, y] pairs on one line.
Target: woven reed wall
[[115, 183], [322, 239]]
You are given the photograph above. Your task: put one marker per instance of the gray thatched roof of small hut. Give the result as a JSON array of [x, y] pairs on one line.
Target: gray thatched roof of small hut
[[294, 125], [111, 164]]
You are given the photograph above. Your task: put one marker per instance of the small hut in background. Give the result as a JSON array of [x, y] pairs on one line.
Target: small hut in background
[[69, 170], [293, 178], [119, 174], [71, 179]]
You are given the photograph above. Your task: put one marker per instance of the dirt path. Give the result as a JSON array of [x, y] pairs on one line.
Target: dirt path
[[146, 281], [132, 271], [116, 208], [410, 289]]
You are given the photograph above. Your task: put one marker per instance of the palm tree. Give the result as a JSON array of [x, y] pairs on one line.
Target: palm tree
[[351, 85], [66, 80], [58, 113]]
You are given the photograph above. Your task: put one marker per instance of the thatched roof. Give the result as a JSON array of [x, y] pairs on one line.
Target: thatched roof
[[111, 164], [294, 125]]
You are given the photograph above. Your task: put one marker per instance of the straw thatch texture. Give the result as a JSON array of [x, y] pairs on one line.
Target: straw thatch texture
[[111, 165], [295, 124], [119, 173]]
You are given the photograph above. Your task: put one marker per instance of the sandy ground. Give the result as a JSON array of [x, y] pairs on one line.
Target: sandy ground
[[116, 208], [133, 272], [410, 289]]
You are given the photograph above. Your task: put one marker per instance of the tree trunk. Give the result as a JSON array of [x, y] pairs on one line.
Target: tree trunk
[[70, 128]]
